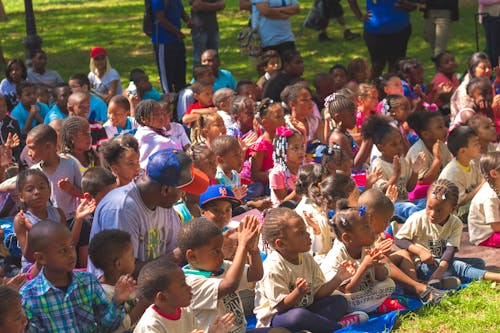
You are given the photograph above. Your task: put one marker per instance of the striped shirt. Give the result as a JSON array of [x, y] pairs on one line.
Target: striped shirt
[[83, 307]]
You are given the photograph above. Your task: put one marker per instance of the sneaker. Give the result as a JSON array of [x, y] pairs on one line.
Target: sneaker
[[390, 304], [349, 35], [323, 37], [447, 283], [353, 318]]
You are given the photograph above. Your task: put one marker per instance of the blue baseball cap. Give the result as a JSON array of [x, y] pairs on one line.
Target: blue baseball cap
[[172, 167], [219, 192]]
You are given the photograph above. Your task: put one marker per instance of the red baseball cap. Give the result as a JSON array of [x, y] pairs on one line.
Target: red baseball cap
[[97, 51]]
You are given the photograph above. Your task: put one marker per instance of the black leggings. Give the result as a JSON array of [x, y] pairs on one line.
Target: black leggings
[[386, 49]]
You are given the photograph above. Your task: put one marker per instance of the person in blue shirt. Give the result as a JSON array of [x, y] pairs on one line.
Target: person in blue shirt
[[28, 112], [387, 30], [168, 42], [60, 108], [223, 77], [98, 108]]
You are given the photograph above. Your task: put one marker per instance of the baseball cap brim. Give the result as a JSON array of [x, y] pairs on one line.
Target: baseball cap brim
[[198, 183], [234, 202]]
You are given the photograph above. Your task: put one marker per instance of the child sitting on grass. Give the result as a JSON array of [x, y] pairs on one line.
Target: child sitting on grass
[[119, 120], [432, 237], [60, 299], [463, 143], [214, 282], [28, 112], [203, 93], [112, 252], [163, 284]]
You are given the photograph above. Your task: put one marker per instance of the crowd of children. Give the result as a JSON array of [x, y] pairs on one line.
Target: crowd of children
[[137, 211]]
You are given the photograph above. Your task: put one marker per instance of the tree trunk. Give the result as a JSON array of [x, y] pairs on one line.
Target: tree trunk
[[3, 15]]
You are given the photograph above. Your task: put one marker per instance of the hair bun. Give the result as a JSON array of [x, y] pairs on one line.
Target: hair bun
[[342, 204]]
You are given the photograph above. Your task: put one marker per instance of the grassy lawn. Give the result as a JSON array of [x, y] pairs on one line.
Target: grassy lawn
[[474, 309], [70, 28]]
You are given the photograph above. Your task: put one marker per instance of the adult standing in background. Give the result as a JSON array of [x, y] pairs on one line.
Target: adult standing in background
[[491, 24], [205, 28], [387, 30], [168, 42], [438, 15], [272, 17]]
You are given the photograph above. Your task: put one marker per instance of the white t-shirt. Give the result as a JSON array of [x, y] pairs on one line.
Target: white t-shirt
[[150, 142], [337, 255], [178, 134], [466, 181], [155, 321], [153, 232], [112, 131], [388, 171], [227, 118], [321, 243], [101, 86], [418, 147], [67, 168], [279, 281], [206, 304], [484, 209], [433, 237]]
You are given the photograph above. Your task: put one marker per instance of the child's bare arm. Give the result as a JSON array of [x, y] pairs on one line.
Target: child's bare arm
[[255, 271], [371, 259], [189, 118], [433, 172], [65, 185], [291, 300], [229, 284], [204, 110], [347, 269], [416, 166], [86, 207], [257, 174]]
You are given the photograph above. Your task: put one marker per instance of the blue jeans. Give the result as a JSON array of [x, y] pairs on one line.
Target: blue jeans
[[466, 269], [403, 209], [320, 317], [203, 41], [256, 190]]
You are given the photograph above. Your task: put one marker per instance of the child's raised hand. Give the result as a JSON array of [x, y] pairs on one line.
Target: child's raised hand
[[312, 222], [372, 257], [5, 156], [347, 270], [496, 105], [12, 140], [396, 165], [22, 221], [299, 126], [15, 282], [248, 231], [64, 184], [222, 324], [419, 162], [250, 139], [373, 176], [230, 243], [444, 88], [86, 207], [240, 192], [392, 193], [124, 288], [34, 109], [302, 286], [384, 246], [436, 152]]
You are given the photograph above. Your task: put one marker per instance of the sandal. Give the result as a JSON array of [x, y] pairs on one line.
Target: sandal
[[431, 295]]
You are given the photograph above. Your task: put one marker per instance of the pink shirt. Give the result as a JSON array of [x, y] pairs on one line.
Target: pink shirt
[[440, 78], [260, 145], [279, 179]]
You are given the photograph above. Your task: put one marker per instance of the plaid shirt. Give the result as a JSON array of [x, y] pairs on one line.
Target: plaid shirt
[[84, 307]]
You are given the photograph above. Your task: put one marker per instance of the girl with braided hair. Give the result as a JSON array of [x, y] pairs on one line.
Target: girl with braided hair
[[484, 211], [76, 140], [288, 155], [432, 237]]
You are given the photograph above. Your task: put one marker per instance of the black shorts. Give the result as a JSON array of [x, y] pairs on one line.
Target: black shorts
[[387, 47], [333, 9]]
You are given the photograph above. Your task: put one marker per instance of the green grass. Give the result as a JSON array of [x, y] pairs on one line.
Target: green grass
[[70, 28], [474, 309]]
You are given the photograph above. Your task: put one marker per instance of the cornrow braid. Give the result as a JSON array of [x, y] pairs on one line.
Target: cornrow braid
[[345, 217], [280, 144], [275, 225], [196, 151], [144, 111], [71, 126], [443, 189], [490, 161]]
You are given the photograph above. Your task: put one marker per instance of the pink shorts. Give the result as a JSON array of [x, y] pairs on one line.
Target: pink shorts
[[493, 241]]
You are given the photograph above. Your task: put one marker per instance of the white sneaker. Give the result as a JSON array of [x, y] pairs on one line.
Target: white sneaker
[[353, 318]]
